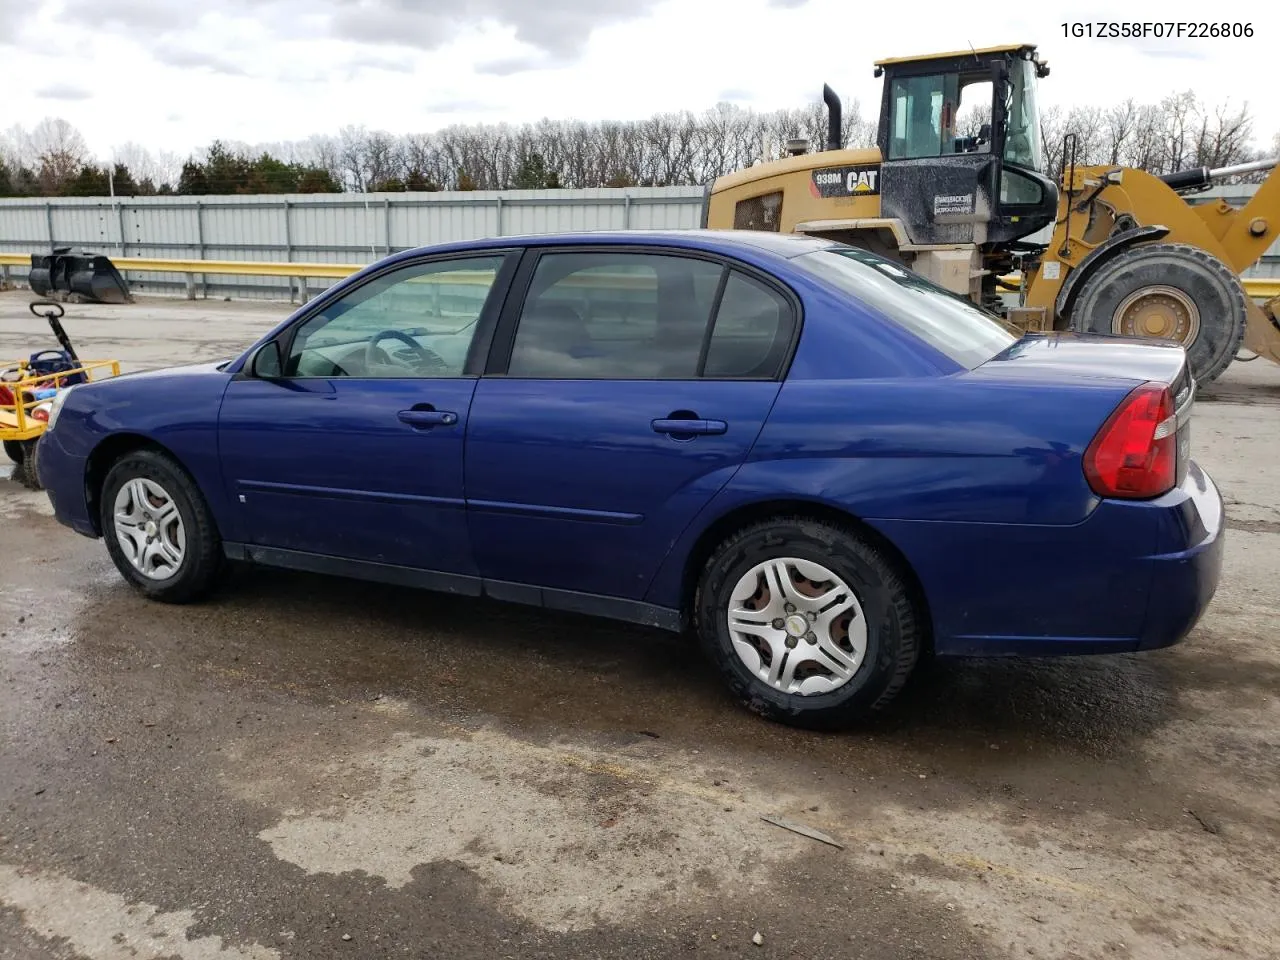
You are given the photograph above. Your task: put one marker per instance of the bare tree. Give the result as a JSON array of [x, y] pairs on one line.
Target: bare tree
[[1118, 128], [664, 149], [56, 149], [1224, 137], [351, 151], [382, 161], [159, 168], [1181, 113], [1144, 147], [1088, 145]]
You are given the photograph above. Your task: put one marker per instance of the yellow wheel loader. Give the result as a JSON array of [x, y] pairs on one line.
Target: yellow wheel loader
[[1111, 250]]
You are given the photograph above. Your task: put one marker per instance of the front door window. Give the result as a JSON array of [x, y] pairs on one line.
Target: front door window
[[416, 322]]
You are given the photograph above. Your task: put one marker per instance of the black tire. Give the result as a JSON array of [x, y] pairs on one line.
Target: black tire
[[13, 450], [894, 625], [203, 562], [1209, 284], [27, 469]]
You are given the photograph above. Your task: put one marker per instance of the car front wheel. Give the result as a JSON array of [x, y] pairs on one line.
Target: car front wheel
[[158, 529], [809, 623]]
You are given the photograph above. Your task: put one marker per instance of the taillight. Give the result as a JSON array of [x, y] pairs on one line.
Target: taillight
[[1135, 454]]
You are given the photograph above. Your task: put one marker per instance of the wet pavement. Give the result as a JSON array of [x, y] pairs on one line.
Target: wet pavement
[[308, 767]]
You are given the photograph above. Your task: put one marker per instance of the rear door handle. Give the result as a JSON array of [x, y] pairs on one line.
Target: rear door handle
[[701, 427], [428, 418]]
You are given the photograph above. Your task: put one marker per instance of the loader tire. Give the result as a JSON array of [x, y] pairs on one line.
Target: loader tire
[[1169, 291]]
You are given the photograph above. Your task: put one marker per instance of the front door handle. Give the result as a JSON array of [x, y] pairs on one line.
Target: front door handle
[[428, 418], [688, 427]]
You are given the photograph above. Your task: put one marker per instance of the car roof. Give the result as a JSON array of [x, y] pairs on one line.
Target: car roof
[[718, 241]]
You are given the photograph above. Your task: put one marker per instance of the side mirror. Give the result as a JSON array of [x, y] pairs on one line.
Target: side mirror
[[268, 362]]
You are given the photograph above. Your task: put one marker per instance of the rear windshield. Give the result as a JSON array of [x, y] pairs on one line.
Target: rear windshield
[[946, 321]]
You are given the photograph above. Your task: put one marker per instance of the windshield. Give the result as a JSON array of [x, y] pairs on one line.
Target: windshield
[[949, 323], [1023, 145]]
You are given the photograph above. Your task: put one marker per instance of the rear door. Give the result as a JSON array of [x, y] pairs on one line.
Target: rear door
[[625, 388]]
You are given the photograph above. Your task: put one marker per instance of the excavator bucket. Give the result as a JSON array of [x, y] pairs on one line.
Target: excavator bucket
[[71, 272]]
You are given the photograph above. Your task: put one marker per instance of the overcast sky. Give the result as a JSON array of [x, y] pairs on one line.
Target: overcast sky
[[176, 74]]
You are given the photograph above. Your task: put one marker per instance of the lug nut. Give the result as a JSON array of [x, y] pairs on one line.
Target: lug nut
[[778, 623], [813, 617], [811, 637], [789, 607], [791, 643]]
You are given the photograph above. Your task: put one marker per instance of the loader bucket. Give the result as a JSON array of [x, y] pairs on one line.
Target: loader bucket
[[96, 278], [71, 272], [38, 279]]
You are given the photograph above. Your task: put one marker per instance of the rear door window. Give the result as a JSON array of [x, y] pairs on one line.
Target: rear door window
[[752, 333], [615, 316]]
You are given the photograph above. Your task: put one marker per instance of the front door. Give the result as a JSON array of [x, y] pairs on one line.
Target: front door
[[633, 387], [355, 449]]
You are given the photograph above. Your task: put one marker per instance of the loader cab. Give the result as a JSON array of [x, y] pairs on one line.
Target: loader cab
[[962, 157]]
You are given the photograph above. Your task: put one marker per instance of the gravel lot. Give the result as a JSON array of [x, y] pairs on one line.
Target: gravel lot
[[305, 767]]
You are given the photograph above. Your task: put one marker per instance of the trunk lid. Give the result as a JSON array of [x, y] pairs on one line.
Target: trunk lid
[[1070, 358]]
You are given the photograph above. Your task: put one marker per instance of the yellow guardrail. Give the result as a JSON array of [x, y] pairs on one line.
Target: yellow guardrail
[[242, 267], [1260, 288]]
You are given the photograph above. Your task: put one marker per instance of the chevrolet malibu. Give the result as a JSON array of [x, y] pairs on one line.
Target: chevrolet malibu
[[813, 461]]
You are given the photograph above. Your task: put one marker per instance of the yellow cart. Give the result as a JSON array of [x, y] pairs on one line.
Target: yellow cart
[[27, 388]]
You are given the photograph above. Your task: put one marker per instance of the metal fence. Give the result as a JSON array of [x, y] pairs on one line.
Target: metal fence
[[349, 228], [319, 228]]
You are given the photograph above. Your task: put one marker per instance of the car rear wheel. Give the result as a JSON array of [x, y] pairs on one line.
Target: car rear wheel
[[158, 528], [810, 624]]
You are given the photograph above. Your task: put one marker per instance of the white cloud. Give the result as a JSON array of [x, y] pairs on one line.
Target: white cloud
[[271, 70], [63, 91]]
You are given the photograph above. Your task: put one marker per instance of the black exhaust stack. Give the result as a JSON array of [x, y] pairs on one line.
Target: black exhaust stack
[[833, 118]]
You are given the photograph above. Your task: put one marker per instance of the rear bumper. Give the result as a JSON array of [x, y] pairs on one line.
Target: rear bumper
[[1186, 578], [1134, 576], [63, 477]]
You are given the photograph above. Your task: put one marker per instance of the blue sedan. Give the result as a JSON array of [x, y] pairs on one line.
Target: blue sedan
[[811, 459]]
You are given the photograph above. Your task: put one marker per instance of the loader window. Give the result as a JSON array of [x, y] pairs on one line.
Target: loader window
[[939, 115], [1023, 146], [972, 131], [917, 122]]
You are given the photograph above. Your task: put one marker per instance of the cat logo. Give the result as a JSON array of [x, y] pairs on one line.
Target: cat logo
[[859, 181]]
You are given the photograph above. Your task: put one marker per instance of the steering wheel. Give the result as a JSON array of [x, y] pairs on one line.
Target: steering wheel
[[427, 358]]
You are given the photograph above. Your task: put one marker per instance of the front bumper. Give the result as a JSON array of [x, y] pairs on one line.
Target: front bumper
[[63, 477]]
